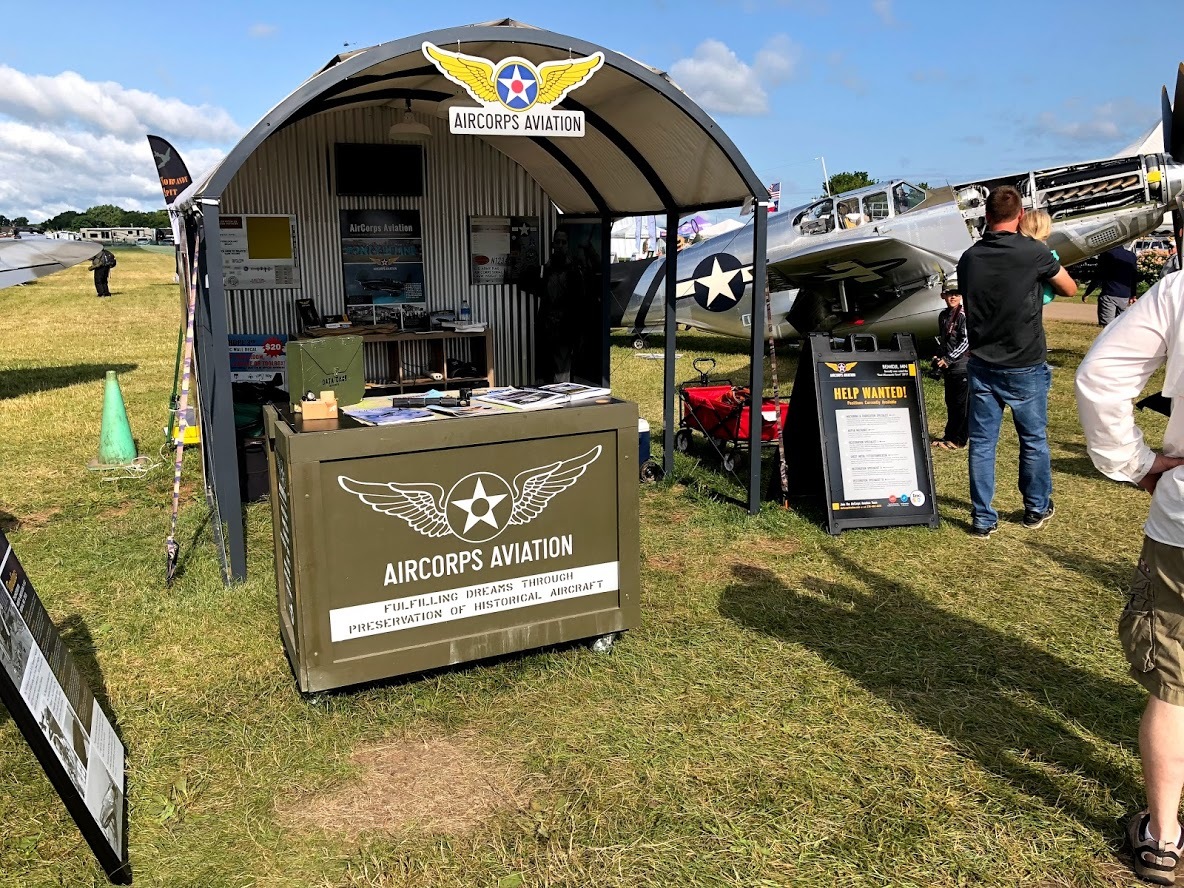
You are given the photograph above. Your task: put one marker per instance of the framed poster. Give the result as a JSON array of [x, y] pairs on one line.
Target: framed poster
[[500, 247], [55, 708], [382, 264], [259, 252], [257, 358], [860, 441]]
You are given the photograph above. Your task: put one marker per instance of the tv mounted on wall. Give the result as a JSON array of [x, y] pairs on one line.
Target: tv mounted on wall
[[376, 169]]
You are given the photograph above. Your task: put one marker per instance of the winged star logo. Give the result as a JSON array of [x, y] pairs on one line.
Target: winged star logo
[[514, 82], [479, 506]]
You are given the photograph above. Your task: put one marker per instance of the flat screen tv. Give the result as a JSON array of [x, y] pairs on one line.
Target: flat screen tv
[[389, 170]]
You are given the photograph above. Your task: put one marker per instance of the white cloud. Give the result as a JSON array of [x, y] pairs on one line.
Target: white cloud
[[883, 9], [777, 60], [262, 30], [716, 78], [69, 143], [108, 107], [1110, 122]]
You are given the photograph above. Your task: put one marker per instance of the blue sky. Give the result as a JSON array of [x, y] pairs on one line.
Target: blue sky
[[925, 90]]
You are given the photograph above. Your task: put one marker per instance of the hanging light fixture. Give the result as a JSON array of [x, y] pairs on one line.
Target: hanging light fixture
[[409, 127]]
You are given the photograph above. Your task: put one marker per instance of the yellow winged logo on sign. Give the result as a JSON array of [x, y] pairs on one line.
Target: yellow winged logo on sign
[[514, 82], [841, 367]]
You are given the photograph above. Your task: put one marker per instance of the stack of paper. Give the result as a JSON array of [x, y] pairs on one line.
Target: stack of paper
[[574, 391], [522, 399]]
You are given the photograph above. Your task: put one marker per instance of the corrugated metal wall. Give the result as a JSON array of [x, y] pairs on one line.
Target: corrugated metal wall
[[291, 173]]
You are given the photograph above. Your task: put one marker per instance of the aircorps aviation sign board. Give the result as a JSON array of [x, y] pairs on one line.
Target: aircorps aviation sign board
[[436, 554], [514, 97], [873, 445]]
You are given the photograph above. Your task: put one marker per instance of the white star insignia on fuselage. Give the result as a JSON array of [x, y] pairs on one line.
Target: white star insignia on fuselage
[[718, 283]]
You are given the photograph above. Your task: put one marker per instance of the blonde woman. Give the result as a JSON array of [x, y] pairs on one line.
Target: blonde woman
[[1037, 224]]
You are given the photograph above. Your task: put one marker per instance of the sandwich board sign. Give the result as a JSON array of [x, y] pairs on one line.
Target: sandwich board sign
[[860, 442], [55, 709]]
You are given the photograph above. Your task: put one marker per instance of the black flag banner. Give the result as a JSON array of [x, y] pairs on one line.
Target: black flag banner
[[174, 175]]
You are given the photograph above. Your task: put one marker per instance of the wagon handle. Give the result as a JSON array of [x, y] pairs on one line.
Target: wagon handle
[[704, 375]]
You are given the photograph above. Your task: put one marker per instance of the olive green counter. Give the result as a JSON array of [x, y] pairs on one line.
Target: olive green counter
[[407, 547]]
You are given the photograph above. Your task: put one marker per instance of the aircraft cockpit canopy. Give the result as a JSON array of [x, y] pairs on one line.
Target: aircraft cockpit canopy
[[872, 204]]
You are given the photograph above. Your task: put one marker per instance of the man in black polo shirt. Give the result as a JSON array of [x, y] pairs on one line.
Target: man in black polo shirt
[[1117, 279], [1001, 278]]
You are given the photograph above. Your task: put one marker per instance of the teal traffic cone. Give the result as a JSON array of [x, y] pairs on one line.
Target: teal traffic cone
[[116, 447]]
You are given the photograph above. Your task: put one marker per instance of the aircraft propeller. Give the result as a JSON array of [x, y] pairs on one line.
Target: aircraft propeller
[[1173, 142]]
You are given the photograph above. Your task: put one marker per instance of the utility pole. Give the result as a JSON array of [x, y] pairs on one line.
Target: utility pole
[[825, 177]]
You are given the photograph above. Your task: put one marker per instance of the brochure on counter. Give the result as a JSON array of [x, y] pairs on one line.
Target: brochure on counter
[[395, 409], [543, 397]]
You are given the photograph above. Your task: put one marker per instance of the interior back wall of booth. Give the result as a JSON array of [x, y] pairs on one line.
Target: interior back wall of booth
[[292, 173]]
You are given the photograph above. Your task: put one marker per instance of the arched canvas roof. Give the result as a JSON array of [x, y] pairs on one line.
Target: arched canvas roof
[[648, 147]]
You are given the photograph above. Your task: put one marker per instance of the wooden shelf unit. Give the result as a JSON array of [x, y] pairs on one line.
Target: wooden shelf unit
[[408, 357]]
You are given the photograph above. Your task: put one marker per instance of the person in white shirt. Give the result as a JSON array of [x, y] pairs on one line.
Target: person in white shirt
[[1112, 375]]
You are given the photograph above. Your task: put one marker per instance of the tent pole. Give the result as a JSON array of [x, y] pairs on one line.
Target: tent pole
[[670, 334], [756, 379]]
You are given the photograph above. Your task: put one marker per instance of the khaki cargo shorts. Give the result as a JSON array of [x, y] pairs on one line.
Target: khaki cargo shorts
[[1152, 623]]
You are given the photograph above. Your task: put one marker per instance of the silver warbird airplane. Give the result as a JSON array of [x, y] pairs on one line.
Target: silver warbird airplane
[[873, 260]]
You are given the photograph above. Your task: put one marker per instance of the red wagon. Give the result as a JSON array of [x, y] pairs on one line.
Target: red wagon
[[722, 412]]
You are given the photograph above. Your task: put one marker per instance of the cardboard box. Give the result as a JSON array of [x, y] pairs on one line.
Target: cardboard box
[[334, 362]]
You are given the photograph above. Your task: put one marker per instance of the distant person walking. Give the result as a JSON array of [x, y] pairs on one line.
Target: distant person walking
[[952, 354], [1117, 279], [1151, 627], [1001, 278], [101, 265]]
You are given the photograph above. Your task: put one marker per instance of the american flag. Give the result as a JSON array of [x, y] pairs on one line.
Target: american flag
[[775, 194]]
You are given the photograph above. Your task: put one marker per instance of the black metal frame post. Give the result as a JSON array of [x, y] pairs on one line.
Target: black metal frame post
[[670, 335], [756, 377], [606, 269], [217, 396]]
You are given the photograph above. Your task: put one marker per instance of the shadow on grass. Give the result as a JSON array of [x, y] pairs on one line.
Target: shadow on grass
[[81, 644], [1064, 357], [184, 552], [1003, 702], [14, 383]]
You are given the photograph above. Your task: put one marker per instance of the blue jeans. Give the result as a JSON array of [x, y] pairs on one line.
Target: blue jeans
[[1025, 391]]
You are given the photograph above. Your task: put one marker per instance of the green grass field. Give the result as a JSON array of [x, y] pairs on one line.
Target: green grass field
[[893, 707]]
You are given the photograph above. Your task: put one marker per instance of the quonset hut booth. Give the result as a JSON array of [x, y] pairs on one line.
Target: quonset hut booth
[[374, 136]]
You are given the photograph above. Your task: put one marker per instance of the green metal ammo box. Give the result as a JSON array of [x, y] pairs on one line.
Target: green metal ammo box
[[402, 548], [330, 363]]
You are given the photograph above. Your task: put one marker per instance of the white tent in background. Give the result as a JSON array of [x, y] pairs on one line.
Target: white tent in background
[[724, 227]]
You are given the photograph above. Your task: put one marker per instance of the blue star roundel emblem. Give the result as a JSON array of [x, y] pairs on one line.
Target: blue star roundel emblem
[[719, 282], [517, 86]]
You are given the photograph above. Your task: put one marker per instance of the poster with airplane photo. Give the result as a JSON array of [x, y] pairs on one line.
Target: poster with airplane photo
[[500, 247], [382, 263], [56, 710]]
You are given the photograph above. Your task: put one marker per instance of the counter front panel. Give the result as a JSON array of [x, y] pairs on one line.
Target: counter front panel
[[403, 548]]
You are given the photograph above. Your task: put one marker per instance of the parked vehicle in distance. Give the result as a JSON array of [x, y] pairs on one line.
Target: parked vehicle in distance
[[140, 241]]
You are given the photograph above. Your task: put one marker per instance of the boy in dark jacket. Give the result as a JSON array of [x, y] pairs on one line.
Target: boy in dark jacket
[[951, 361]]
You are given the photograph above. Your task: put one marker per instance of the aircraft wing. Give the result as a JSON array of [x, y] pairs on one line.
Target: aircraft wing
[[853, 276], [875, 262], [29, 258]]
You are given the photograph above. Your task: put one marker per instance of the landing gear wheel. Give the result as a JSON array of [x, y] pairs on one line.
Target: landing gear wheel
[[651, 472], [639, 342], [682, 440]]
